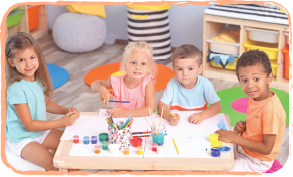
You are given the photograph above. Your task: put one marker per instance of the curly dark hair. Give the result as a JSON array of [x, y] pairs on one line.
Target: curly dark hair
[[252, 57]]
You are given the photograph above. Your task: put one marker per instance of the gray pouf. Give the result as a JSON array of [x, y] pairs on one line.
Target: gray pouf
[[75, 32]]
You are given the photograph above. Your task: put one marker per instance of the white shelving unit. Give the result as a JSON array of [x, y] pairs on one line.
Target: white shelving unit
[[214, 23]]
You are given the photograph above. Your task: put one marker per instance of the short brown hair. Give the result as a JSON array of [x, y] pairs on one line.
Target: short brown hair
[[187, 51], [252, 57]]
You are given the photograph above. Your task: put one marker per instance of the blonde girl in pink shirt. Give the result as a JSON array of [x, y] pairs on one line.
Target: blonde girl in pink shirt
[[137, 86]]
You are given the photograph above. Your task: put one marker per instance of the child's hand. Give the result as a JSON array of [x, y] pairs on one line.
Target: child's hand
[[240, 127], [174, 120], [105, 95], [117, 112], [195, 118], [73, 110], [68, 119], [226, 135]]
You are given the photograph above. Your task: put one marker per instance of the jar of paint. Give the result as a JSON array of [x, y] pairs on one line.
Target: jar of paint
[[158, 134], [139, 150], [103, 137], [216, 144], [94, 139], [215, 151], [160, 150], [213, 137], [154, 146], [86, 140], [105, 145], [75, 139], [126, 150], [114, 148], [97, 149], [136, 142]]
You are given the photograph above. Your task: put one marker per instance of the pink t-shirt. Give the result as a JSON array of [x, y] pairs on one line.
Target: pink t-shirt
[[136, 96]]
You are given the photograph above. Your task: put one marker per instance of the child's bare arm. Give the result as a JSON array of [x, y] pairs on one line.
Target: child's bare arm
[[263, 147], [167, 115], [24, 115], [102, 86], [211, 111], [55, 108], [214, 109]]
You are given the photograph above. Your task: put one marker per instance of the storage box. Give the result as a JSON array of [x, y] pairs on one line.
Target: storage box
[[223, 47], [285, 51], [228, 66], [262, 35], [287, 37], [14, 17], [270, 49], [33, 17]]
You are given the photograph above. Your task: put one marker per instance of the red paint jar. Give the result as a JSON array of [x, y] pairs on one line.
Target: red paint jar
[[75, 139], [136, 142], [154, 146]]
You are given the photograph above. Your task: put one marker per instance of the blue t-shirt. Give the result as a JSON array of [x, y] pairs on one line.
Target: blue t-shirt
[[190, 99], [23, 92]]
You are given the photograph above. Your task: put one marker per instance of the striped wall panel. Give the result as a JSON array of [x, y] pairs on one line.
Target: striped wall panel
[[153, 29]]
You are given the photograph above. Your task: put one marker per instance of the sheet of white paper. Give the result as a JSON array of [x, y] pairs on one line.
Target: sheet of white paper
[[81, 149], [190, 138], [188, 148]]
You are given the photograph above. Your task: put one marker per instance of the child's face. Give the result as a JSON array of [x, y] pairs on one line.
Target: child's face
[[186, 71], [26, 62], [255, 82], [137, 64]]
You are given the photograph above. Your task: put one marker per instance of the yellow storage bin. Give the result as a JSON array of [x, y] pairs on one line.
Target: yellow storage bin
[[270, 49], [274, 68], [228, 66]]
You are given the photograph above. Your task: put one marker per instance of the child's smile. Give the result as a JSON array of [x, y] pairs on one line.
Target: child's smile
[[137, 64], [26, 63], [255, 82]]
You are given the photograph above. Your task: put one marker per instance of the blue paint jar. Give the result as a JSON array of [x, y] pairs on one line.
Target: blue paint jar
[[86, 140], [94, 139], [215, 151]]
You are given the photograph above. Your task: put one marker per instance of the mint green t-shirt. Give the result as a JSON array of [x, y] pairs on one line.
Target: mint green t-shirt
[[24, 92]]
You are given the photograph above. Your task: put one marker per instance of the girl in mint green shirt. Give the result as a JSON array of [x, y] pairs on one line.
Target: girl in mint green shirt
[[28, 87]]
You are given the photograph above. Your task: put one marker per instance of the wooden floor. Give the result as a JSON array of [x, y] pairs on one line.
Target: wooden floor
[[77, 93]]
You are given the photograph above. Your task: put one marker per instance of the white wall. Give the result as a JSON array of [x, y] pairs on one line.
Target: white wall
[[186, 22]]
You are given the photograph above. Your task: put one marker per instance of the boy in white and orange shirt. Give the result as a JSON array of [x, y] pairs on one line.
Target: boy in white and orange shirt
[[262, 133]]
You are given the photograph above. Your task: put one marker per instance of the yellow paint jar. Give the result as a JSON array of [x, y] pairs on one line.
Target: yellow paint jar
[[126, 150], [213, 137], [216, 144], [139, 150]]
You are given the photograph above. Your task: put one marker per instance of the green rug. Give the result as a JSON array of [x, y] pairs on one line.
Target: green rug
[[229, 95]]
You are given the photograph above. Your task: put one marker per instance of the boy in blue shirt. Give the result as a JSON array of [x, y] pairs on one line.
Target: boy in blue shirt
[[188, 90]]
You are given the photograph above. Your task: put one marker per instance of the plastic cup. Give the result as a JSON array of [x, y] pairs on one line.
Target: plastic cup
[[97, 149], [86, 140], [114, 148], [139, 150], [154, 146], [160, 150], [215, 151], [136, 142], [94, 139], [158, 134], [103, 137], [126, 150], [213, 137], [75, 139], [105, 145]]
